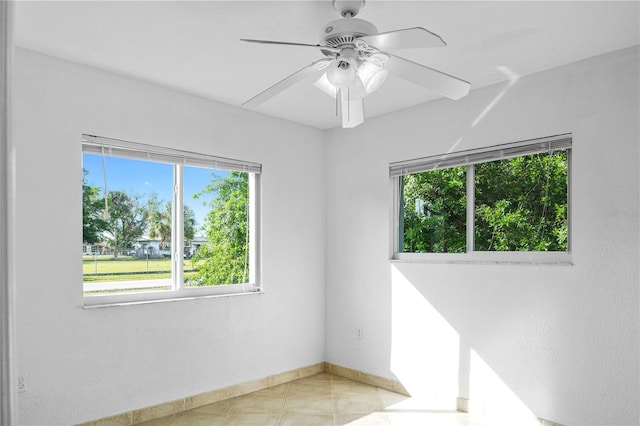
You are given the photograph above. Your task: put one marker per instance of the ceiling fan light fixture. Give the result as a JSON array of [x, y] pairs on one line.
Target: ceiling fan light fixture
[[355, 90], [323, 84], [356, 63], [372, 76], [341, 73]]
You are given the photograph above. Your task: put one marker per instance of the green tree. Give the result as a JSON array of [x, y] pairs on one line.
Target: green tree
[[190, 224], [521, 203], [127, 220], [434, 211], [159, 219], [225, 257], [159, 214], [93, 224]]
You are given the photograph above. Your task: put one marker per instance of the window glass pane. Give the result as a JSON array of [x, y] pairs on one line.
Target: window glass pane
[[217, 211], [127, 234], [433, 211], [521, 204]]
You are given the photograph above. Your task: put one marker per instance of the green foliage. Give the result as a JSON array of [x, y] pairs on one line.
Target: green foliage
[[434, 205], [127, 219], [521, 204], [93, 224], [225, 258], [159, 214], [189, 222]]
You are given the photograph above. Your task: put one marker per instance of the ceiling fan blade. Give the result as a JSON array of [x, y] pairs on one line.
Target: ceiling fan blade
[[288, 43], [310, 70], [404, 39], [442, 83]]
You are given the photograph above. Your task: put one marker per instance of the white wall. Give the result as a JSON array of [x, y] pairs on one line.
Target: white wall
[[562, 341], [86, 364]]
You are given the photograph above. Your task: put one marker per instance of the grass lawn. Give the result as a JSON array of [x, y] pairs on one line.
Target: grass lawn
[[126, 268]]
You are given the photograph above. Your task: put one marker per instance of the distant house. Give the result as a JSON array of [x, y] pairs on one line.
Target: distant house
[[93, 249], [152, 247]]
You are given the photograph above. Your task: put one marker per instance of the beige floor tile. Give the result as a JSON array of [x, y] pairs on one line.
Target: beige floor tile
[[325, 400], [390, 399], [310, 405], [403, 403], [258, 404], [221, 408], [355, 388], [297, 419], [306, 389], [373, 419], [162, 421], [415, 418], [191, 418], [357, 404], [437, 418], [252, 420]]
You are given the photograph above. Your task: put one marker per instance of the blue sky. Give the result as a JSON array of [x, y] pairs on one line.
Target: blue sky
[[141, 178]]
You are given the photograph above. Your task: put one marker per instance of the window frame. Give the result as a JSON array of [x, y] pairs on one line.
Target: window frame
[[179, 159], [561, 142]]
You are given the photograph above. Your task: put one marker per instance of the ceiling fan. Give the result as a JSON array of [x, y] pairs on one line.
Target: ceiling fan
[[357, 62]]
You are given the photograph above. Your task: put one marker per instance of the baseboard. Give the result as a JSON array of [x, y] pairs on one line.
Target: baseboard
[[366, 378], [173, 407], [462, 404]]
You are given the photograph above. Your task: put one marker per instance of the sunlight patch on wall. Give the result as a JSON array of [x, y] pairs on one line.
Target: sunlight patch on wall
[[490, 397], [424, 348]]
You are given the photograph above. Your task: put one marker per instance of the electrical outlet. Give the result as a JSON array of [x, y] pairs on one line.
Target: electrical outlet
[[22, 383], [359, 334]]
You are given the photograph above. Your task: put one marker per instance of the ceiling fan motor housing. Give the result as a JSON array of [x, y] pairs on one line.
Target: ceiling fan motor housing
[[342, 32]]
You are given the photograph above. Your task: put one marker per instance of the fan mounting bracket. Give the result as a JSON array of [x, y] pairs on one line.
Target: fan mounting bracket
[[348, 8]]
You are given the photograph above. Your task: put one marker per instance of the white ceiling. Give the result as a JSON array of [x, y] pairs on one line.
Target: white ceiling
[[194, 45]]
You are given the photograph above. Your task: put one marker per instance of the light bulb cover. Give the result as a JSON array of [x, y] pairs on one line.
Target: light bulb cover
[[372, 76], [341, 73], [323, 84]]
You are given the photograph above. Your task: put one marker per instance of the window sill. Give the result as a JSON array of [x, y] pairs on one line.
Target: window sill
[[114, 300], [487, 258]]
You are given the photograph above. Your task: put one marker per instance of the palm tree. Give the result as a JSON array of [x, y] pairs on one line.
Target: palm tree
[[160, 221]]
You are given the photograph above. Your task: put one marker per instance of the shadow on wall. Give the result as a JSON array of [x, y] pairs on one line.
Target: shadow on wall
[[437, 364]]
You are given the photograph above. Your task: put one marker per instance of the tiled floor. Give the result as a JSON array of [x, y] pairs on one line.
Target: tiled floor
[[323, 399]]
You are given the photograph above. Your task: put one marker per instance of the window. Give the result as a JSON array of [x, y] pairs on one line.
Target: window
[[508, 198], [161, 223]]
